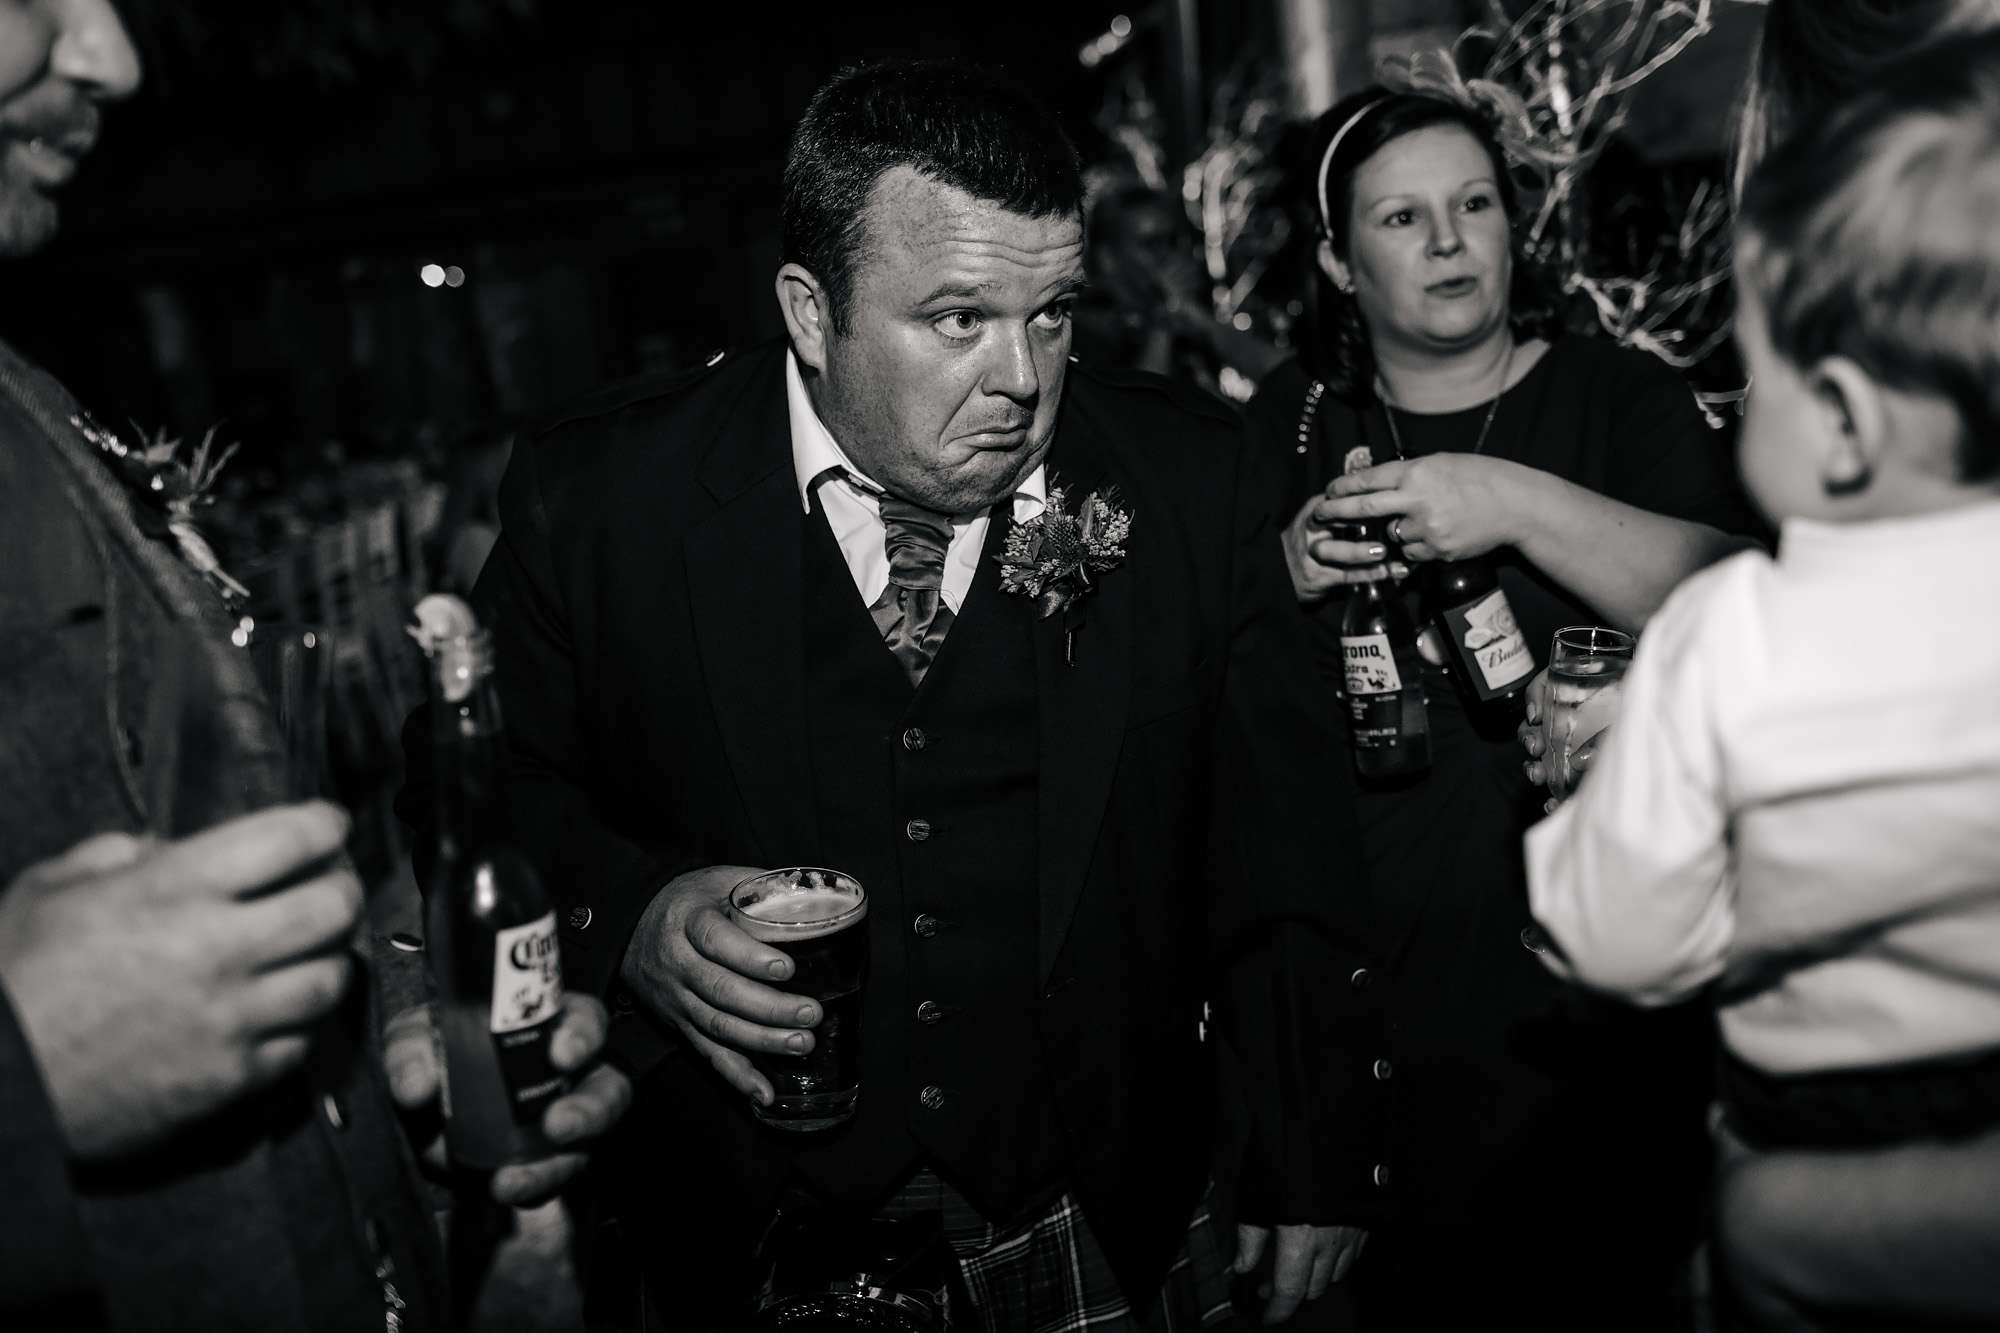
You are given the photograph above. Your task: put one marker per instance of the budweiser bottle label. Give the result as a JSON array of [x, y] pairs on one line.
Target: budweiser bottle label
[[1493, 642]]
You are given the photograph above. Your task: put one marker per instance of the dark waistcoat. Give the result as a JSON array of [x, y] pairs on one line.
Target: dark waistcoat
[[928, 796]]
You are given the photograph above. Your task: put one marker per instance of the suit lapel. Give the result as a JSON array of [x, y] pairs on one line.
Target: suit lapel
[[745, 586], [204, 681], [1082, 707]]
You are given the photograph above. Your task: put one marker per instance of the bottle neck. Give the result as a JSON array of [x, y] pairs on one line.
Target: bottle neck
[[469, 754]]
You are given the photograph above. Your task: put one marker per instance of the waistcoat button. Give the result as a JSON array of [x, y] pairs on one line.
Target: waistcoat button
[[914, 739], [925, 925], [1533, 939], [917, 830], [928, 1012], [579, 918], [1382, 1070], [1359, 978], [932, 1097]]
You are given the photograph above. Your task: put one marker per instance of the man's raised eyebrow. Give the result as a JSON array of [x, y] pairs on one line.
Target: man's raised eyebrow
[[972, 291], [1070, 286], [964, 291]]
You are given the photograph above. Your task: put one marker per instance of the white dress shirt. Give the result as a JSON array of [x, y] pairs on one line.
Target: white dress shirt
[[1805, 768], [852, 504]]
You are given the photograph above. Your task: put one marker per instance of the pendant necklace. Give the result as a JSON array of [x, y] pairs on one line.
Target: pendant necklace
[[1492, 410]]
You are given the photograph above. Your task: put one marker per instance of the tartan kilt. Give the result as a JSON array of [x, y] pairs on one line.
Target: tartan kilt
[[1049, 1275]]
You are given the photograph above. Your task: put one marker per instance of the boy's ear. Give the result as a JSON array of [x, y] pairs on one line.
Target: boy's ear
[[1858, 421]]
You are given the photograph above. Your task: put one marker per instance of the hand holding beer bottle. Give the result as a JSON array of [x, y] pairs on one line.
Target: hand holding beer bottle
[[719, 986]]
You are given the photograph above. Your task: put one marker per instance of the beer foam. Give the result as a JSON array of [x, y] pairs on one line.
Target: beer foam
[[803, 915]]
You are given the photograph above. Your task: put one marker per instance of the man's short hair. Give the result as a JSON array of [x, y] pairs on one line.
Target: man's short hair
[[1874, 235], [957, 124]]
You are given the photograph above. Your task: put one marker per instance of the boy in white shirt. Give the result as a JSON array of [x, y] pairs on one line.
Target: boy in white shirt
[[1800, 801]]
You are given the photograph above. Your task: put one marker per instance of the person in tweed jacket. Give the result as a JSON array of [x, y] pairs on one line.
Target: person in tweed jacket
[[196, 1125]]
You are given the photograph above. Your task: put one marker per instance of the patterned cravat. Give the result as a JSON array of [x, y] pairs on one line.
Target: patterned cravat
[[911, 612]]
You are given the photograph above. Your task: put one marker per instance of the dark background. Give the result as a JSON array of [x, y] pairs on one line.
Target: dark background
[[245, 244], [243, 249]]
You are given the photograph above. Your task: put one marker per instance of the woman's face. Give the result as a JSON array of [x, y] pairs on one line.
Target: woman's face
[[1428, 253]]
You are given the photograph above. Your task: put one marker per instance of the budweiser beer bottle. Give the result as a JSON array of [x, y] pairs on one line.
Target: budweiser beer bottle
[[495, 968], [1490, 659], [1387, 716]]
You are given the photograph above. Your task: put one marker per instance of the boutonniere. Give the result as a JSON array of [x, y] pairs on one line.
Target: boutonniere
[[1054, 556], [170, 492]]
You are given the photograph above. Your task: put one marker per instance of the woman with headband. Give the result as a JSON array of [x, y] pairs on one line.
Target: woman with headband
[[1552, 1146]]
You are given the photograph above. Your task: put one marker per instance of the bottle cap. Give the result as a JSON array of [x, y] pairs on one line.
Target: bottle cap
[[450, 636]]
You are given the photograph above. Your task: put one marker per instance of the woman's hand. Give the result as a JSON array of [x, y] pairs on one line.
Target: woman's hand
[[1440, 507], [1320, 562]]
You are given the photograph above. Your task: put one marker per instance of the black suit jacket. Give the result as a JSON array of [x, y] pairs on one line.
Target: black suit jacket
[[644, 600]]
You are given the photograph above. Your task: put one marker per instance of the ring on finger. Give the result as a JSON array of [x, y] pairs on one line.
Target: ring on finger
[[1396, 529]]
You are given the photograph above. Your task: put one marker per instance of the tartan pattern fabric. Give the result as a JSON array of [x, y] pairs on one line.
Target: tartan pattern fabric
[[1048, 1274]]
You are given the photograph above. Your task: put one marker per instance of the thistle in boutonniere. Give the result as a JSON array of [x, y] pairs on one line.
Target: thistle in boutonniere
[[170, 492], [1053, 557]]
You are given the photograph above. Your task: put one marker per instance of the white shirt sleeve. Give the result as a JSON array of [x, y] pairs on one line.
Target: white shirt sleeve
[[1631, 877]]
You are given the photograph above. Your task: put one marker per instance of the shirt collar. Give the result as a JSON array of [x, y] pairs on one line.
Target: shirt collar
[[815, 453], [1970, 531]]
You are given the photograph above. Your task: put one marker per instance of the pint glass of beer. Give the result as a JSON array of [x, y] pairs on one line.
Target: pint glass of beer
[[820, 919]]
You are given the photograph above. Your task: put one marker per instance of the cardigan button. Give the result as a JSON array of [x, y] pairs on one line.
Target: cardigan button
[[917, 830], [914, 739], [579, 918], [931, 1098], [1380, 1175], [1534, 940], [925, 925], [929, 1012], [1382, 1071], [1360, 978]]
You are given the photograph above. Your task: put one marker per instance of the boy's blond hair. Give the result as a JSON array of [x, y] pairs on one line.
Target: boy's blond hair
[[1874, 234]]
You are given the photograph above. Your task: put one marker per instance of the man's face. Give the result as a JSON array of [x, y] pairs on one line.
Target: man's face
[[944, 387], [58, 59]]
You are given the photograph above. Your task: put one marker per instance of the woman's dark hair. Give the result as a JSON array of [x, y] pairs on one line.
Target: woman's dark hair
[[958, 124], [1339, 351], [1871, 235], [1813, 55]]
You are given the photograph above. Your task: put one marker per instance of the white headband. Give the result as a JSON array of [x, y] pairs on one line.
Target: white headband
[[1326, 163]]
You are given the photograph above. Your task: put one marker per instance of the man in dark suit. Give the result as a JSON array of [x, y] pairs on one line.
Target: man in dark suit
[[196, 1127], [755, 617]]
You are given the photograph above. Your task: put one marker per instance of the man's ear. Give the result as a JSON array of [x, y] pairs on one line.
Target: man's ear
[[808, 316], [1336, 272], [1857, 418]]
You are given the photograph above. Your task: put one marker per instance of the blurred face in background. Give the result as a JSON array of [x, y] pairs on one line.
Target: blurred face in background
[[1429, 255], [1142, 252], [58, 60], [945, 386]]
